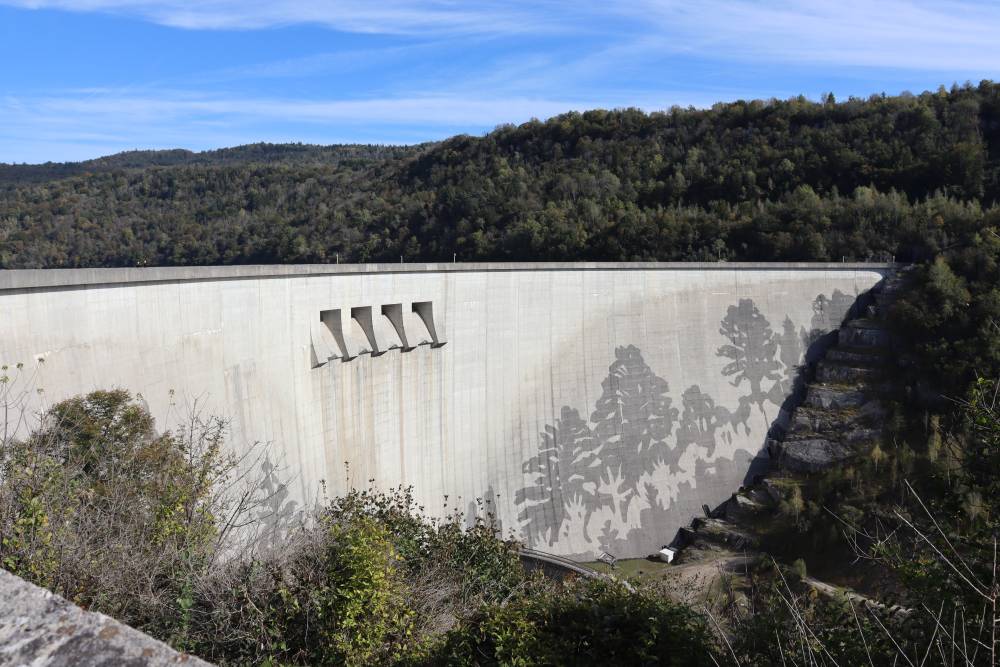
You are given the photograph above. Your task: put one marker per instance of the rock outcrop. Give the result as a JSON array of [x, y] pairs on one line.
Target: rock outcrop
[[841, 416]]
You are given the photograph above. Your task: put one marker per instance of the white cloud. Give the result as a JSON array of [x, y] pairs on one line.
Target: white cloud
[[60, 127], [363, 16], [907, 34], [420, 88], [430, 110], [950, 35]]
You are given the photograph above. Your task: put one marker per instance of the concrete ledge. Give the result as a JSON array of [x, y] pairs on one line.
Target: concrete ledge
[[35, 279], [558, 567], [39, 628]]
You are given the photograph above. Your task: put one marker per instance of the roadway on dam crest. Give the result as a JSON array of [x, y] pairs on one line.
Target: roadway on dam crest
[[594, 406]]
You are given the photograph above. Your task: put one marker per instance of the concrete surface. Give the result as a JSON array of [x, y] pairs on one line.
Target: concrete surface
[[40, 629], [596, 406]]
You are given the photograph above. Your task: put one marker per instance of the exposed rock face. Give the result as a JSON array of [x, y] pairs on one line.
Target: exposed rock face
[[746, 507], [39, 628], [830, 397], [841, 415], [845, 374], [724, 534], [863, 333], [855, 356], [812, 455]]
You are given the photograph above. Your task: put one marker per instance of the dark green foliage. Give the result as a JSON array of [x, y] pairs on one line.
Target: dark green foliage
[[487, 567], [347, 155], [758, 180], [593, 623], [333, 597], [788, 623], [948, 320]]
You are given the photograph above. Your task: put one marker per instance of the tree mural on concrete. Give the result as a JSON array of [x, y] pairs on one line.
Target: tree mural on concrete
[[567, 470], [591, 467], [830, 312], [699, 423], [791, 347], [638, 460], [752, 349], [632, 420], [584, 467]]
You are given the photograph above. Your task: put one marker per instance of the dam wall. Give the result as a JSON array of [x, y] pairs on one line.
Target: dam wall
[[596, 407]]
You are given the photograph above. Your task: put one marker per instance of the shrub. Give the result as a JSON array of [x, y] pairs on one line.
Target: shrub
[[97, 507], [100, 508], [333, 596], [594, 622]]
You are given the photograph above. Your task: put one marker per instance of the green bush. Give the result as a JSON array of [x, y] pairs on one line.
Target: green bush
[[98, 507], [594, 622], [335, 596]]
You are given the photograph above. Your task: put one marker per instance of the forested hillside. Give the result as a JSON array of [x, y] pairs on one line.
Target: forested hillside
[[764, 180], [14, 174]]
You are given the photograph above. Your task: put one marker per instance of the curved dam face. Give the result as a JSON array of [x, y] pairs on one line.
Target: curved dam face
[[597, 407]]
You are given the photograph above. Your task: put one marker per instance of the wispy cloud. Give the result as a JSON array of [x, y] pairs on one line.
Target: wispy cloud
[[364, 16], [907, 34], [110, 121], [431, 110], [951, 35]]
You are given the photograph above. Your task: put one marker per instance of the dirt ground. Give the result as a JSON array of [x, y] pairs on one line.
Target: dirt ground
[[700, 577]]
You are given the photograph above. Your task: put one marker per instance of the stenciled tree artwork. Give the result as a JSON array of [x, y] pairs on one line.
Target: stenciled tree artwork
[[791, 348], [829, 312], [699, 422], [636, 438], [585, 465], [546, 510], [632, 419], [752, 349], [567, 471]]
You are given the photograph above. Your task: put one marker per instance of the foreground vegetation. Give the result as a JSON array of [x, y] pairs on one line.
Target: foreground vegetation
[[159, 532]]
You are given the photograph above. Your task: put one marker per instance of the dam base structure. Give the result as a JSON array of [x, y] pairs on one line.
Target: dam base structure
[[596, 407]]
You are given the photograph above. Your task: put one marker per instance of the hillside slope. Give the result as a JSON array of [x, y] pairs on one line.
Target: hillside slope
[[903, 176]]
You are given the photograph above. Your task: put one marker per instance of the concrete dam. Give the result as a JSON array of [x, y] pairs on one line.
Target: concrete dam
[[597, 407]]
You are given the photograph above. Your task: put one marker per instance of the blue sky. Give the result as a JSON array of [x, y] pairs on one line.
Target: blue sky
[[84, 78]]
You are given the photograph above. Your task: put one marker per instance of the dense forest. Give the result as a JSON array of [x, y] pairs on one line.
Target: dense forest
[[903, 176]]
